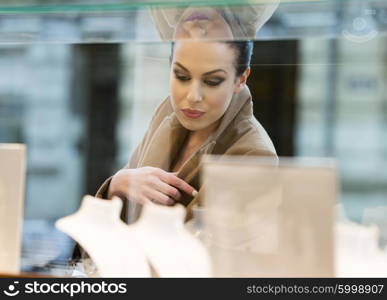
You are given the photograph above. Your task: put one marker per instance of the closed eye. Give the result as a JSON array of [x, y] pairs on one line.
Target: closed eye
[[181, 76], [213, 82]]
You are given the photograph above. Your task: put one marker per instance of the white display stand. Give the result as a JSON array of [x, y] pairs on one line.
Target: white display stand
[[158, 239], [97, 227], [170, 248], [357, 251], [12, 181]]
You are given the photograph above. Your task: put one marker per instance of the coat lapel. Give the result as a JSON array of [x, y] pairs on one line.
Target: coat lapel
[[164, 144]]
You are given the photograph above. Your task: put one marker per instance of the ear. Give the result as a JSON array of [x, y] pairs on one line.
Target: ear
[[241, 81]]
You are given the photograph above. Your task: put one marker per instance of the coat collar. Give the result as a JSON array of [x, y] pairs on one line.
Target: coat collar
[[170, 135]]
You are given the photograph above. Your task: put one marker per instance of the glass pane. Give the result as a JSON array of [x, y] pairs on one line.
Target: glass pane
[[120, 21], [81, 82]]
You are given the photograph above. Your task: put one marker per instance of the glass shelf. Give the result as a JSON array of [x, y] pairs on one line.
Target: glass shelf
[[61, 6], [124, 21]]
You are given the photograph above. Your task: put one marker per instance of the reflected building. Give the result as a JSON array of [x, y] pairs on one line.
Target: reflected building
[[352, 127]]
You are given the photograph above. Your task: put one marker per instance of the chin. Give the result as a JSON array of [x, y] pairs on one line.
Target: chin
[[192, 126]]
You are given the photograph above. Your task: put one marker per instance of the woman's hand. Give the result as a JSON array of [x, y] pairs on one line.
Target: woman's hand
[[147, 184]]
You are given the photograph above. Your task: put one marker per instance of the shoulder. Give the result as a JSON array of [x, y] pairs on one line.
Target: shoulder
[[253, 141], [162, 111], [250, 138]]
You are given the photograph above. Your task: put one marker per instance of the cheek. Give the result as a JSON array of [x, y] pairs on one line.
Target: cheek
[[220, 101], [175, 91]]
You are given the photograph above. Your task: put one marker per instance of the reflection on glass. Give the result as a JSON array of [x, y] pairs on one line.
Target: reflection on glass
[[213, 22], [270, 220], [45, 100]]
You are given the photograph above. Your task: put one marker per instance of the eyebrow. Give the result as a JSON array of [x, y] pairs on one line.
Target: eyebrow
[[207, 73]]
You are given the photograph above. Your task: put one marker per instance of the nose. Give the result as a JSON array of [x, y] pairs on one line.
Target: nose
[[195, 93]]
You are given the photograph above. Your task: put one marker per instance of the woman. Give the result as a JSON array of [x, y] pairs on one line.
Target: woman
[[209, 111]]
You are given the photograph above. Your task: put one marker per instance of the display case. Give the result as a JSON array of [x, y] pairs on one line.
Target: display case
[[81, 81]]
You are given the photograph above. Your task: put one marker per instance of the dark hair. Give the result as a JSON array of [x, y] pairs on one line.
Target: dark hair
[[244, 51]]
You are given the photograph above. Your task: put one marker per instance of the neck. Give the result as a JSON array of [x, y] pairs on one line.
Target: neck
[[198, 137]]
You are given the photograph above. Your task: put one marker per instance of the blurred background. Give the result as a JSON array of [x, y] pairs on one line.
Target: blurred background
[[79, 84]]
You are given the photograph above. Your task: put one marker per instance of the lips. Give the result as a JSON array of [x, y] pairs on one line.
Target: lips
[[192, 114]]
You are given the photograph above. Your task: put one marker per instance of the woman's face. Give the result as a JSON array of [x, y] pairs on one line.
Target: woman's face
[[202, 22], [202, 82]]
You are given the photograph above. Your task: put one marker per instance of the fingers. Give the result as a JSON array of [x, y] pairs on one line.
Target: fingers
[[154, 184], [168, 190], [175, 181], [159, 197]]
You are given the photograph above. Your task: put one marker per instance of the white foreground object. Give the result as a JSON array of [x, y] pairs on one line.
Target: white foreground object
[[97, 227], [357, 251], [270, 219], [171, 249], [121, 250], [12, 178]]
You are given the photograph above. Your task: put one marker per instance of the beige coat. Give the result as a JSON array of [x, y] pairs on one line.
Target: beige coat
[[239, 133]]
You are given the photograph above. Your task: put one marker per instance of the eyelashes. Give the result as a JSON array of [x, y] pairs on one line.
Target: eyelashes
[[182, 77], [213, 82]]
